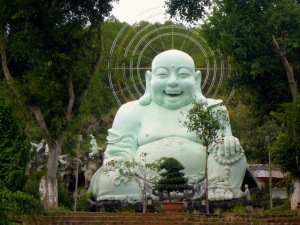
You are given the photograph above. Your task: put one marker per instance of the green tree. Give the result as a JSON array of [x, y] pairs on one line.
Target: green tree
[[285, 150], [248, 44], [172, 179], [261, 41], [51, 52], [188, 10], [144, 173], [251, 133], [209, 124], [15, 154], [97, 111], [263, 46]]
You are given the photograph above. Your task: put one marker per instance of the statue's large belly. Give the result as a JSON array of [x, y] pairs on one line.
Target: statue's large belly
[[190, 154]]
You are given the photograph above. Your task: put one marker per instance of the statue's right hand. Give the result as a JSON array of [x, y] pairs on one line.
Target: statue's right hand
[[113, 163]]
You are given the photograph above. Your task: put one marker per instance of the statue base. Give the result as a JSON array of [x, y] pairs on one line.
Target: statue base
[[118, 206], [198, 205], [108, 206]]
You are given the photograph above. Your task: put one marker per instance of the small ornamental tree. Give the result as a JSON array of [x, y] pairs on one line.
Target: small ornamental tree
[[142, 172], [172, 179], [209, 123]]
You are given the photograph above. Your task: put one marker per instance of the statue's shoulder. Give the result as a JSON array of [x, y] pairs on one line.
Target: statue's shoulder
[[130, 107], [129, 110], [214, 102]]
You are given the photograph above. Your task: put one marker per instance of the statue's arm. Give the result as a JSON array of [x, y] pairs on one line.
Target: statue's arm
[[217, 106], [227, 128], [231, 145], [122, 137]]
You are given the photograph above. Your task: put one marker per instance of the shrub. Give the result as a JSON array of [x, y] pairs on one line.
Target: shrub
[[15, 153], [32, 185], [65, 199], [25, 204], [239, 209], [172, 179], [83, 200], [4, 219], [18, 204]]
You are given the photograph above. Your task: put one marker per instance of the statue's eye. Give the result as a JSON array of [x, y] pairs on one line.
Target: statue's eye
[[162, 75], [183, 75]]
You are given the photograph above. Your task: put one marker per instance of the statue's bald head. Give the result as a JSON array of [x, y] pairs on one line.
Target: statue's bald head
[[172, 81], [174, 57]]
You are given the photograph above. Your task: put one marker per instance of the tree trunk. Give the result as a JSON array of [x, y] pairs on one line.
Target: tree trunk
[[145, 204], [295, 198], [143, 187], [50, 191], [206, 183], [288, 68]]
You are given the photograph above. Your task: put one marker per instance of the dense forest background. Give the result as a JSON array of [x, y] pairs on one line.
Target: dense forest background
[[54, 79]]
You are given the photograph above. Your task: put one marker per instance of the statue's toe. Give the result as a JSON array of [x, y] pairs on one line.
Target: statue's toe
[[211, 196], [217, 196], [229, 195], [222, 196]]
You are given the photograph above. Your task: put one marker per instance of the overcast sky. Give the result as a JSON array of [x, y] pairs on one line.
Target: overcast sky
[[129, 10]]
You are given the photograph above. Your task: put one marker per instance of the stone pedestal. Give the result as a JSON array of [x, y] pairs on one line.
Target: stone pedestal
[[108, 206]]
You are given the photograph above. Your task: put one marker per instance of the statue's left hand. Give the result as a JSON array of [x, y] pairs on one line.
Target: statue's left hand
[[230, 146]]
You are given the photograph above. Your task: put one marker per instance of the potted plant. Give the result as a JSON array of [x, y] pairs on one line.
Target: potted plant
[[172, 179]]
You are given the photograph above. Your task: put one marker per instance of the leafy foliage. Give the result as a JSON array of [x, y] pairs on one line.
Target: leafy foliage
[[83, 200], [15, 154], [65, 198], [44, 60], [256, 67], [18, 203], [51, 51], [188, 10], [251, 133], [144, 173], [171, 177], [32, 185], [208, 123], [285, 149]]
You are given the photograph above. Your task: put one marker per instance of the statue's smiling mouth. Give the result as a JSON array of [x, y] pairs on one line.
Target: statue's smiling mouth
[[173, 94]]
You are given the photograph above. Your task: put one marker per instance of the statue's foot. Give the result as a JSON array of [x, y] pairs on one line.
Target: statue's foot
[[219, 194], [104, 187], [211, 196]]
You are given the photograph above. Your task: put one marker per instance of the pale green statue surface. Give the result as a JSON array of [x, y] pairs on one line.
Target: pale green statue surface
[[152, 125]]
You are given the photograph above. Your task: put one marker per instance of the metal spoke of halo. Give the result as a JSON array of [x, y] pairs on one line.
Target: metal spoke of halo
[[136, 45]]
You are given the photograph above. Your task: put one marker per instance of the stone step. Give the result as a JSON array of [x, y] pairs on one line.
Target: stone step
[[82, 218], [171, 215], [163, 223]]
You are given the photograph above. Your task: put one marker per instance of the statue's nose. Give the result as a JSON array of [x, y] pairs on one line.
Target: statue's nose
[[173, 81]]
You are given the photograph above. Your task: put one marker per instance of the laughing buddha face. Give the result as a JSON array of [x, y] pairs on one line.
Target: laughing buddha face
[[173, 79]]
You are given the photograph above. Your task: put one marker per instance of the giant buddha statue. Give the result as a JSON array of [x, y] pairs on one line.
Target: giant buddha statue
[[152, 125]]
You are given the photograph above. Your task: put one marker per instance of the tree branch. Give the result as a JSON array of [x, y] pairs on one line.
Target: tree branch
[[288, 67], [4, 62], [96, 63], [70, 113], [40, 119], [5, 67]]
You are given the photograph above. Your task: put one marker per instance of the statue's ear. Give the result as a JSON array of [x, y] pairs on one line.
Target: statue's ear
[[148, 77], [146, 98], [198, 91], [198, 79]]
